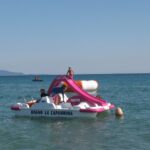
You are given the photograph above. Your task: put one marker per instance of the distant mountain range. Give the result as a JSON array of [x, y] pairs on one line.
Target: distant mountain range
[[9, 73]]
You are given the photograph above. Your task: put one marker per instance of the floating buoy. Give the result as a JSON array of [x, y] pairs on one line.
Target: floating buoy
[[119, 112]]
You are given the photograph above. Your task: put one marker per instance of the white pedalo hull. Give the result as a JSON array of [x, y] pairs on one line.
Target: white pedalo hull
[[53, 113]]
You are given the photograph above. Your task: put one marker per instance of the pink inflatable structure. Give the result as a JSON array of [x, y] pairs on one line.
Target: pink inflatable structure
[[82, 96]]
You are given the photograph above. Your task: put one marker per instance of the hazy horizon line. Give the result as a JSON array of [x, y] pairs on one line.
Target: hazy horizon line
[[76, 74]]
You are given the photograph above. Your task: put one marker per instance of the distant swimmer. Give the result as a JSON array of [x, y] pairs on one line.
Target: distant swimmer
[[70, 73]]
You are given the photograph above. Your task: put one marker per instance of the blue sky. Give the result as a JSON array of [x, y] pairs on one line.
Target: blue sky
[[91, 36]]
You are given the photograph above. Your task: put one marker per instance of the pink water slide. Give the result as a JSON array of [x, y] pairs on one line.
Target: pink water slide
[[72, 84]]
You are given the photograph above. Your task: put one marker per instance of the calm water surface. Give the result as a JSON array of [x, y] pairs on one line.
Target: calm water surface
[[106, 132]]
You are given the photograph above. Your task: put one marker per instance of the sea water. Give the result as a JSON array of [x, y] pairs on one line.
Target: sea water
[[131, 92]]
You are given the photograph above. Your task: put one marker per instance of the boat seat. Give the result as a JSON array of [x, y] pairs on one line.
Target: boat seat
[[66, 105], [45, 99]]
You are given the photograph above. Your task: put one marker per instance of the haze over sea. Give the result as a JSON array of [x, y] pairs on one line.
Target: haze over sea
[[129, 91]]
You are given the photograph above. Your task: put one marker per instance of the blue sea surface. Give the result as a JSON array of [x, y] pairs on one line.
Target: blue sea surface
[[131, 92]]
